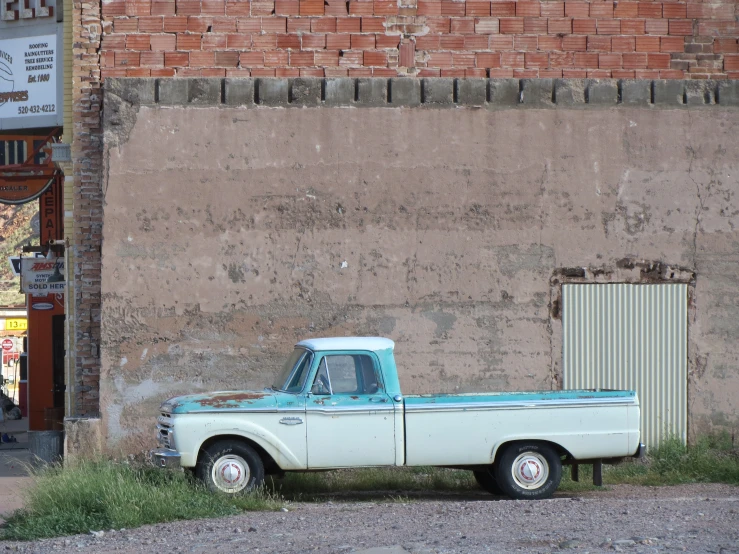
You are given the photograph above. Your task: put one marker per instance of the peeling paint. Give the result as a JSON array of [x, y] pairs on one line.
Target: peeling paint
[[223, 400]]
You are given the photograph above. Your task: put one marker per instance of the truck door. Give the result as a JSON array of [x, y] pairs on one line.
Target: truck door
[[350, 417]]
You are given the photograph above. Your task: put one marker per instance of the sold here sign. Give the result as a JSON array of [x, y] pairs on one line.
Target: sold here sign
[[42, 276]]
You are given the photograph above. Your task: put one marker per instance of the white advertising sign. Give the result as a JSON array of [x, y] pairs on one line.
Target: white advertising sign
[[28, 79], [38, 276]]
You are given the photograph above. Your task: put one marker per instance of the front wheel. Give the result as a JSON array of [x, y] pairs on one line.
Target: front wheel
[[230, 466], [529, 471]]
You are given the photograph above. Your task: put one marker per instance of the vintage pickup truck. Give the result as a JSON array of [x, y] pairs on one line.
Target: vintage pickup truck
[[337, 404]]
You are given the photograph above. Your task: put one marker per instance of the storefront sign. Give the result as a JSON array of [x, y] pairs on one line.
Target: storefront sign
[[42, 276], [26, 169], [16, 324], [30, 70]]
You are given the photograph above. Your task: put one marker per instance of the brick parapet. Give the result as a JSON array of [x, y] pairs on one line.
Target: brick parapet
[[500, 39], [429, 93]]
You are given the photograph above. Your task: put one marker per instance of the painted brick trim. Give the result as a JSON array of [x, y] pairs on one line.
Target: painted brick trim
[[426, 93]]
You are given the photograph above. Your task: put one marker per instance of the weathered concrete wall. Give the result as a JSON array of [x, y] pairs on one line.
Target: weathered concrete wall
[[231, 232]]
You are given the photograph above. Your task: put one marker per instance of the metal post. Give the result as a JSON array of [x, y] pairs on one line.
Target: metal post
[[598, 473]]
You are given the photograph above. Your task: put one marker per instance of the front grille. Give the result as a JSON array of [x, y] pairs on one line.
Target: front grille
[[165, 431]]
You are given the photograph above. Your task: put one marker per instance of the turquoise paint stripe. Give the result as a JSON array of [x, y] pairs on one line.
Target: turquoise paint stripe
[[440, 399]]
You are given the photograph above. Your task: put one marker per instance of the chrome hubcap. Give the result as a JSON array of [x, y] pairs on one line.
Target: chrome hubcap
[[231, 473], [530, 470]]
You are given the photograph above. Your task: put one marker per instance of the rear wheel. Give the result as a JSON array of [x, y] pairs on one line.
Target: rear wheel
[[529, 471], [486, 479], [230, 466]]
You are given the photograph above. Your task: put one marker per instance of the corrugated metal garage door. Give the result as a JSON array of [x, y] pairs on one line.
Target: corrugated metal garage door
[[621, 336]]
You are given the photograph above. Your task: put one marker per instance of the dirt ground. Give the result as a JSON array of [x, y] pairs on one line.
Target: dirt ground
[[622, 518]]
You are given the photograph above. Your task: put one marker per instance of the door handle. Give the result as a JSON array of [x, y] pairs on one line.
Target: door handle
[[383, 399]]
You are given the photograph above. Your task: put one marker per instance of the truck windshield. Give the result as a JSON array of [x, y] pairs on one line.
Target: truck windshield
[[294, 372]]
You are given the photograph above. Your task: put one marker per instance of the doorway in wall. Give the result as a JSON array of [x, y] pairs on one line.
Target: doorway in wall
[[630, 336]]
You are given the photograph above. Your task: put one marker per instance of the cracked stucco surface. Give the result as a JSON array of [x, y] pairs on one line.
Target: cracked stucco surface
[[230, 234]]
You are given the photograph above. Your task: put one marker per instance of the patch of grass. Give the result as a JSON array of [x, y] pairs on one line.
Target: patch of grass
[[712, 459], [102, 495], [305, 486]]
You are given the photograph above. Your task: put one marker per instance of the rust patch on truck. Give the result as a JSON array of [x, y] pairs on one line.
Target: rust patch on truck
[[223, 400]]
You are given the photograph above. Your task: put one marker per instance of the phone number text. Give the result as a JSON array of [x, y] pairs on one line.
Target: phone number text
[[43, 108]]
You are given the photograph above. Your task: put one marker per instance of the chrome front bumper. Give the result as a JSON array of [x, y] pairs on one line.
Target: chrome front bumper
[[641, 451], [166, 458]]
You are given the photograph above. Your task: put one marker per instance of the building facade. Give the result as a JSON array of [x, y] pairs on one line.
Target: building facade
[[247, 174]]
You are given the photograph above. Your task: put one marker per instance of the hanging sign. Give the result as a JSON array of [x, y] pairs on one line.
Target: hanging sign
[[21, 182], [31, 74], [28, 67], [42, 275]]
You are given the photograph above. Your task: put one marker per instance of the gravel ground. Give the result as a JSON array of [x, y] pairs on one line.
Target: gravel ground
[[688, 518]]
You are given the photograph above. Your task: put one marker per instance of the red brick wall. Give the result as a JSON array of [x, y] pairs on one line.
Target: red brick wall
[[290, 38], [87, 153]]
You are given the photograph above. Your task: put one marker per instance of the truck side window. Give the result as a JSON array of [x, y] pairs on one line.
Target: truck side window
[[346, 374], [370, 382]]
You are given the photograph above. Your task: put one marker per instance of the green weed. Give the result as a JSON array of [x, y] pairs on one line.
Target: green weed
[[712, 459], [102, 495]]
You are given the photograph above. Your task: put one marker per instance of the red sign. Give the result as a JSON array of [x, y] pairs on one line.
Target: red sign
[[26, 169], [8, 345]]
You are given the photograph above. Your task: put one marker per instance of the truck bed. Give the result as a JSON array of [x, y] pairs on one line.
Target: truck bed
[[586, 423]]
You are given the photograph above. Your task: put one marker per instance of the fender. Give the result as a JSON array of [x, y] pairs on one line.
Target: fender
[[189, 444], [521, 437], [579, 446]]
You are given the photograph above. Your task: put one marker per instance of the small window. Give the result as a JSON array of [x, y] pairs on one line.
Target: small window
[[300, 374], [346, 374]]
